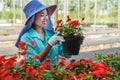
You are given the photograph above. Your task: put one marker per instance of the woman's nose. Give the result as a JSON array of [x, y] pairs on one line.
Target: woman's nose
[[46, 17]]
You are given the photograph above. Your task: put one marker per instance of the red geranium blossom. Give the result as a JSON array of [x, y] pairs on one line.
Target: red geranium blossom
[[23, 52], [17, 75], [68, 19], [4, 73], [74, 23], [9, 78], [30, 70], [9, 63], [58, 22], [32, 42], [21, 44], [37, 56], [22, 63], [62, 61], [41, 69]]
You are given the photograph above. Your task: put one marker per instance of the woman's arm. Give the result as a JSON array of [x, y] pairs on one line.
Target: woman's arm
[[52, 41], [45, 52]]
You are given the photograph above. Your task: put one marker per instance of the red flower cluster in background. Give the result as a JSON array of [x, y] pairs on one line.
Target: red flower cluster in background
[[14, 68]]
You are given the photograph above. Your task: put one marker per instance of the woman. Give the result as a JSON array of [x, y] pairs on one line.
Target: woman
[[38, 16]]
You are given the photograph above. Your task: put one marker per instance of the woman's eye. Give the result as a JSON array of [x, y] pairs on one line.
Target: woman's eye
[[43, 15]]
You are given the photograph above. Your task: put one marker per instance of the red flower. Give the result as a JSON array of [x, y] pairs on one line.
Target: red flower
[[62, 61], [46, 65], [37, 56], [32, 42], [95, 73], [80, 76], [9, 78], [109, 55], [58, 22], [9, 63], [73, 77], [47, 61], [38, 78], [56, 28], [111, 69], [68, 19], [30, 70], [17, 75], [105, 74], [61, 58], [67, 70], [74, 23], [83, 18], [5, 73], [86, 60], [41, 69], [22, 63], [72, 63], [21, 44], [23, 52], [98, 66], [13, 58], [2, 58]]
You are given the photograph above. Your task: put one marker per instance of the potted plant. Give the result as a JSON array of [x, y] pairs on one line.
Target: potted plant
[[72, 32]]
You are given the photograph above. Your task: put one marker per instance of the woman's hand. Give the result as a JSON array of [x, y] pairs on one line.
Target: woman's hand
[[55, 39]]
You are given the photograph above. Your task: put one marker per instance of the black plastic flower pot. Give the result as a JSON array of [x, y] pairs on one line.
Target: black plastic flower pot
[[72, 44]]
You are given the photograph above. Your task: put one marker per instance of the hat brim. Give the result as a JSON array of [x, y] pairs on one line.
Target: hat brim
[[51, 9]]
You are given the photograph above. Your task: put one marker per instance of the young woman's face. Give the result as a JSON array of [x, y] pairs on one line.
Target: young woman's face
[[41, 18]]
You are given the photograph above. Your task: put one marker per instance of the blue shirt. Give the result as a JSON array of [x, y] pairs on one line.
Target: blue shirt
[[55, 51]]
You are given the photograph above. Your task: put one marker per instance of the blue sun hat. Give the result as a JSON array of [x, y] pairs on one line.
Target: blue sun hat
[[33, 7]]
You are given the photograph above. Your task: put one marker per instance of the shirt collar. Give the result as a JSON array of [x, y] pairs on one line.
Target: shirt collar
[[34, 34]]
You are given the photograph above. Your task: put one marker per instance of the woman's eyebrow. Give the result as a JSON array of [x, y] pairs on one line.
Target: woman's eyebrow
[[42, 13]]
